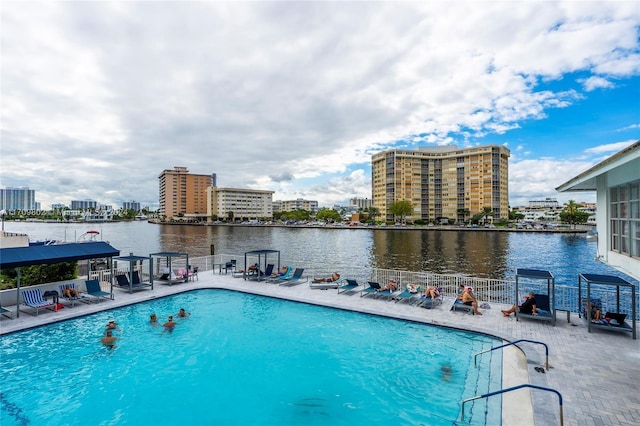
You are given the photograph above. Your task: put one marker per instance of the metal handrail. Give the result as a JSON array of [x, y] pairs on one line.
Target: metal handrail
[[546, 348], [526, 385]]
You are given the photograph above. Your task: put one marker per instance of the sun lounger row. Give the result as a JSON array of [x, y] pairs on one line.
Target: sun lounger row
[[33, 298]]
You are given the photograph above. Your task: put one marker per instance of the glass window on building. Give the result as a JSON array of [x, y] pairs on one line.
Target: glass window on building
[[624, 209]]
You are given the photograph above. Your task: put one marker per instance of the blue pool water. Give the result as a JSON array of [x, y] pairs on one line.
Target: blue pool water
[[243, 359]]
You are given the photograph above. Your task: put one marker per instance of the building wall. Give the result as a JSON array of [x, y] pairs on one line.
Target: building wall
[[629, 261], [181, 192], [440, 181], [246, 204], [298, 204], [83, 204], [17, 199]]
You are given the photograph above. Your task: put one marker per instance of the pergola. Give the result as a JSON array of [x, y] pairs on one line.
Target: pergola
[[17, 257]]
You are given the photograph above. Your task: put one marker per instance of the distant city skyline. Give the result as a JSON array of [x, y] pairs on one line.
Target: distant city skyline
[[295, 97]]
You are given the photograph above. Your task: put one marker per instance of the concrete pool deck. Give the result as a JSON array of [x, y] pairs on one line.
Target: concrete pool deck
[[598, 373]]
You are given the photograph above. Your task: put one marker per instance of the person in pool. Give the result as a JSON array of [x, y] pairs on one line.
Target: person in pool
[[109, 340], [111, 325], [182, 313], [169, 325], [153, 320]]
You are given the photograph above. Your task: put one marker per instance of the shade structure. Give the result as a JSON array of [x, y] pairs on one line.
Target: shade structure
[[17, 257]]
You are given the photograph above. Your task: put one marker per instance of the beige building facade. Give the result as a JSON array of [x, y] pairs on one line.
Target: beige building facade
[[297, 204], [442, 183], [243, 204], [182, 193]]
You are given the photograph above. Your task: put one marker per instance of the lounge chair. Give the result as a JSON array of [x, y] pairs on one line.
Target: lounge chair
[[295, 279], [170, 278], [607, 321], [373, 288], [279, 279], [409, 294], [386, 292], [325, 285], [349, 286], [542, 309], [6, 312], [430, 302], [122, 281], [94, 290], [260, 275], [71, 300], [33, 298], [457, 305]]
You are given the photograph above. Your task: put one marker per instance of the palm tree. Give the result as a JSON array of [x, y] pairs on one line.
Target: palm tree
[[486, 212]]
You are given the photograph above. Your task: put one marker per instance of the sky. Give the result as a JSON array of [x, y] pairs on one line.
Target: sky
[[98, 98]]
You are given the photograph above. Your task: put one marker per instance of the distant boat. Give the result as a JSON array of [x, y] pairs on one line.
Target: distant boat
[[89, 236], [141, 217]]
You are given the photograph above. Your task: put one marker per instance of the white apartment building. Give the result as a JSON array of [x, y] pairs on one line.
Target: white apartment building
[[244, 204], [297, 204]]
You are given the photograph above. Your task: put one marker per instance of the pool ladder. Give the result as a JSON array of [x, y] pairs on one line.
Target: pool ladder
[[501, 391]]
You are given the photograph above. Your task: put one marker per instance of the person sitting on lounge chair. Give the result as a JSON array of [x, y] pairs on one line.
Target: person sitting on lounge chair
[[413, 288], [469, 299], [527, 307], [595, 312], [391, 285], [253, 269], [70, 292], [461, 288], [431, 292], [282, 271], [333, 278]]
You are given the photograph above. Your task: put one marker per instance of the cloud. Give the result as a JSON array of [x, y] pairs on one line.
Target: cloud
[[100, 97], [592, 83], [611, 147]]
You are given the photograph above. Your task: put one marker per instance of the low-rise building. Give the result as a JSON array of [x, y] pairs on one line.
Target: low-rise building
[[616, 181], [240, 204]]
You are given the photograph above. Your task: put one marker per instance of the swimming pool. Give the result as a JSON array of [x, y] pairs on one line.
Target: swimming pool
[[244, 359]]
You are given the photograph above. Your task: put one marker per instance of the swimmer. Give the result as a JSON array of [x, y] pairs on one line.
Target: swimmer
[[182, 313], [111, 325], [109, 340], [446, 372], [169, 325], [153, 320]]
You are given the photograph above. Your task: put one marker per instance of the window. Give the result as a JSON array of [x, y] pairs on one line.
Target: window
[[624, 211]]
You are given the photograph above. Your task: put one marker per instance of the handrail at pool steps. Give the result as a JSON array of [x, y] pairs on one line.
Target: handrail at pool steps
[[546, 350], [525, 385]]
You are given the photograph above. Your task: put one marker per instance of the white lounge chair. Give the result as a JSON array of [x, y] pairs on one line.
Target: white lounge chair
[[33, 298]]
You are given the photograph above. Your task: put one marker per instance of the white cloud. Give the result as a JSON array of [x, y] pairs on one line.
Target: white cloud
[[593, 83], [100, 97], [609, 148]]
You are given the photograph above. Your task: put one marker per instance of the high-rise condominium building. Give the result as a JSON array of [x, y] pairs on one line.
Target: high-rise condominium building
[[240, 204], [182, 192], [84, 204], [442, 182], [17, 199]]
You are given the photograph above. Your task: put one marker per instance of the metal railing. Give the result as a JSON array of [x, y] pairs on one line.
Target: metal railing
[[546, 349], [501, 391]]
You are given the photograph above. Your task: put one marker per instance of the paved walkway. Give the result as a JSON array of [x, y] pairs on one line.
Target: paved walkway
[[598, 373]]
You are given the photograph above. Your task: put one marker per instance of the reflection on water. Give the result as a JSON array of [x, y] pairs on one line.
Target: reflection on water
[[443, 252], [475, 253]]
